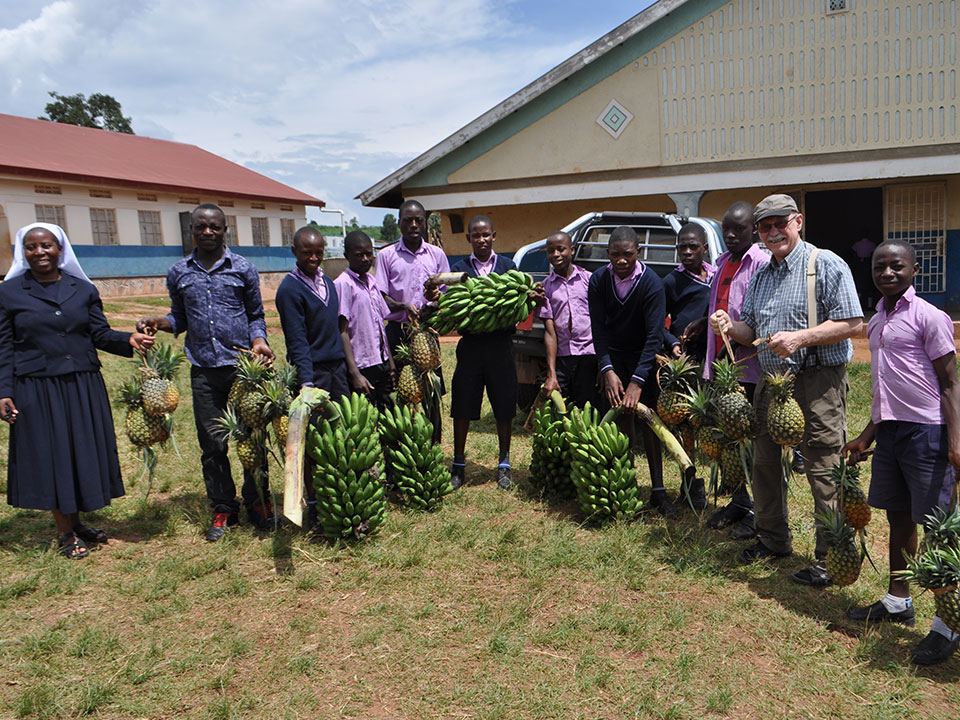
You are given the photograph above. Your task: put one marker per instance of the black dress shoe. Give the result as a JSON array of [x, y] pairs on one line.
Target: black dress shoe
[[745, 528], [662, 504], [878, 613], [934, 649], [759, 551], [726, 516], [456, 476], [813, 576], [694, 494]]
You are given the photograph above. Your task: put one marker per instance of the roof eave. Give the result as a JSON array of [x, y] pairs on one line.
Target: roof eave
[[374, 195]]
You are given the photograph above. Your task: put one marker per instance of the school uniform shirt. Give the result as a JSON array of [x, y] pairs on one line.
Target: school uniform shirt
[[735, 290], [569, 309], [903, 345], [483, 268], [627, 316], [362, 304], [401, 273], [219, 308], [776, 300], [687, 297], [500, 265]]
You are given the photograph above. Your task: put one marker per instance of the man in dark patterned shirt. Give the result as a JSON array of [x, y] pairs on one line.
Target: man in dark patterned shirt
[[215, 299]]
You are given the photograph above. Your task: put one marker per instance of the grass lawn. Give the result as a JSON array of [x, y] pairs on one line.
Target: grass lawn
[[497, 606]]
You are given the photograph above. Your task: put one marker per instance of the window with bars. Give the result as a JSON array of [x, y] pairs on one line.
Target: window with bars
[[150, 230], [232, 238], [54, 214], [917, 214], [287, 230], [103, 223], [261, 231]]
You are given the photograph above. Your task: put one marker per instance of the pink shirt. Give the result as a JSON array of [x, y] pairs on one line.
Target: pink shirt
[[903, 346], [567, 306], [483, 268], [753, 259], [401, 273], [365, 310], [316, 284], [623, 287]]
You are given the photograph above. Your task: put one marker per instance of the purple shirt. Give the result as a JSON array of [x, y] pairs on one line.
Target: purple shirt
[[316, 284], [903, 346], [362, 304], [753, 259], [483, 268], [401, 273], [567, 306], [622, 287], [709, 269]]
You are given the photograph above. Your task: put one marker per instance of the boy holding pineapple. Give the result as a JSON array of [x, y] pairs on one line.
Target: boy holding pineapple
[[915, 421], [362, 314]]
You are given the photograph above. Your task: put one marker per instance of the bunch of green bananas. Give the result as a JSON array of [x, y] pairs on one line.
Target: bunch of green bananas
[[346, 474], [550, 463], [485, 304], [416, 463], [601, 466]]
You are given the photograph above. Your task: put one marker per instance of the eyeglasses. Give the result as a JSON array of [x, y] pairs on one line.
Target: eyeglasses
[[763, 227]]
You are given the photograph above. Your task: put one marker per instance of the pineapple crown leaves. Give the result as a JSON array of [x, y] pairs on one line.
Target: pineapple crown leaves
[[278, 398], [701, 403], [252, 370], [131, 394], [288, 376], [230, 427], [677, 373], [933, 569], [942, 528], [403, 354], [834, 522], [781, 384], [163, 361], [845, 476], [726, 376]]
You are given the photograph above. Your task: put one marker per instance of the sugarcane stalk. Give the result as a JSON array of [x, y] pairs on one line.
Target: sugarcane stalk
[[301, 409]]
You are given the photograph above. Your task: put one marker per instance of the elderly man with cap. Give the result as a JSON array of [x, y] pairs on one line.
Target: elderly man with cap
[[813, 343]]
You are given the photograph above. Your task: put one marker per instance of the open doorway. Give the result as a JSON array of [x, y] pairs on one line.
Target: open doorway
[[850, 223]]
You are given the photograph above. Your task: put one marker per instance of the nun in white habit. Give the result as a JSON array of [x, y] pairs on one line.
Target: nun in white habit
[[63, 450]]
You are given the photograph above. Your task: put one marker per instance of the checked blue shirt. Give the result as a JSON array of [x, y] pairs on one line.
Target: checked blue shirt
[[218, 308], [777, 300]]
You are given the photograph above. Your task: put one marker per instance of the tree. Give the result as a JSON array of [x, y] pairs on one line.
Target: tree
[[354, 223], [390, 231], [435, 230], [100, 111]]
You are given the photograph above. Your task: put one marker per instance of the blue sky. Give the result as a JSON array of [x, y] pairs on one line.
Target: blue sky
[[328, 97]]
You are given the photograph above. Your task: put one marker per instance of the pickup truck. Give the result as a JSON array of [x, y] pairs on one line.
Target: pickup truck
[[658, 249]]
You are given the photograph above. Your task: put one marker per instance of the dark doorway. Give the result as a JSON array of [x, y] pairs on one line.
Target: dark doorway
[[839, 220]]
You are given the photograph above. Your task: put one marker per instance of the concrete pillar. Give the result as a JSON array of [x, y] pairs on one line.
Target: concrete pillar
[[688, 203]]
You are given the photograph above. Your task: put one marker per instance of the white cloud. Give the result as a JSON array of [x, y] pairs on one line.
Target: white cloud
[[327, 96]]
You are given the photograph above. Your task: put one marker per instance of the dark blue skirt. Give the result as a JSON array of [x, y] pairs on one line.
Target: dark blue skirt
[[63, 450]]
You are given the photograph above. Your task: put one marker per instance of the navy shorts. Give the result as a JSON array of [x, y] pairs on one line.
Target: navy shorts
[[910, 469], [577, 377], [484, 361]]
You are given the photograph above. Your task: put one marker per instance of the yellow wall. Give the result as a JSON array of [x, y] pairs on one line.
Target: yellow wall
[[569, 140]]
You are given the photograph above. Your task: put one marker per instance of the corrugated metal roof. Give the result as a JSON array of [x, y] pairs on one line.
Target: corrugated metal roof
[[67, 152]]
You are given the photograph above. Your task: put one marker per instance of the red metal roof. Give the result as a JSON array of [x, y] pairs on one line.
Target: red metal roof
[[41, 148]]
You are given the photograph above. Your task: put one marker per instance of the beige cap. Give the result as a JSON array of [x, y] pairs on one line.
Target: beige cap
[[774, 205]]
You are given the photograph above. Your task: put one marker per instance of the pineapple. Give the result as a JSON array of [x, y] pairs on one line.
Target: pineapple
[[734, 414], [675, 377], [410, 385], [144, 429], [785, 421], [249, 442], [160, 395], [424, 347], [687, 435], [246, 393], [701, 407], [731, 462], [843, 557], [711, 441], [942, 529], [853, 501], [277, 405], [938, 570]]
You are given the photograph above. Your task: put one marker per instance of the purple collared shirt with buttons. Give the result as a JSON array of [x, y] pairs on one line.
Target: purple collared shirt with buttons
[[903, 346], [365, 310], [483, 268], [401, 273], [623, 286], [567, 306], [316, 284]]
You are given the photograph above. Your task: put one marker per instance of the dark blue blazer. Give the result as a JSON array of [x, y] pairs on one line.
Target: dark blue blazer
[[56, 330]]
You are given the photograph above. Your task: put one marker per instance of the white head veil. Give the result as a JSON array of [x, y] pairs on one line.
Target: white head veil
[[68, 261]]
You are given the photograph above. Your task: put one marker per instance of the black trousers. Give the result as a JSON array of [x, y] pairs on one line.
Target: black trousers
[[210, 389]]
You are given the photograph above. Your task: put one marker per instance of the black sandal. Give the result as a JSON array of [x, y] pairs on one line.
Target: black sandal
[[89, 534], [73, 547]]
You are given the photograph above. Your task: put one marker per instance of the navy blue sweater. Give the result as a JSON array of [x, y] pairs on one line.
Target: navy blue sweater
[[310, 328], [688, 299], [500, 265], [632, 326]]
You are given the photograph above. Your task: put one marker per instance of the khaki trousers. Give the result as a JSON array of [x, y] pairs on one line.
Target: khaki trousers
[[822, 395]]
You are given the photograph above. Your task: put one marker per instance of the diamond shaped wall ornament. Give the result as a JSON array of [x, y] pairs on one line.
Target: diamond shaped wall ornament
[[614, 119]]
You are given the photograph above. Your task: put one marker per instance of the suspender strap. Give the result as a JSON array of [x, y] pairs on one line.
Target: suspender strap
[[812, 288]]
